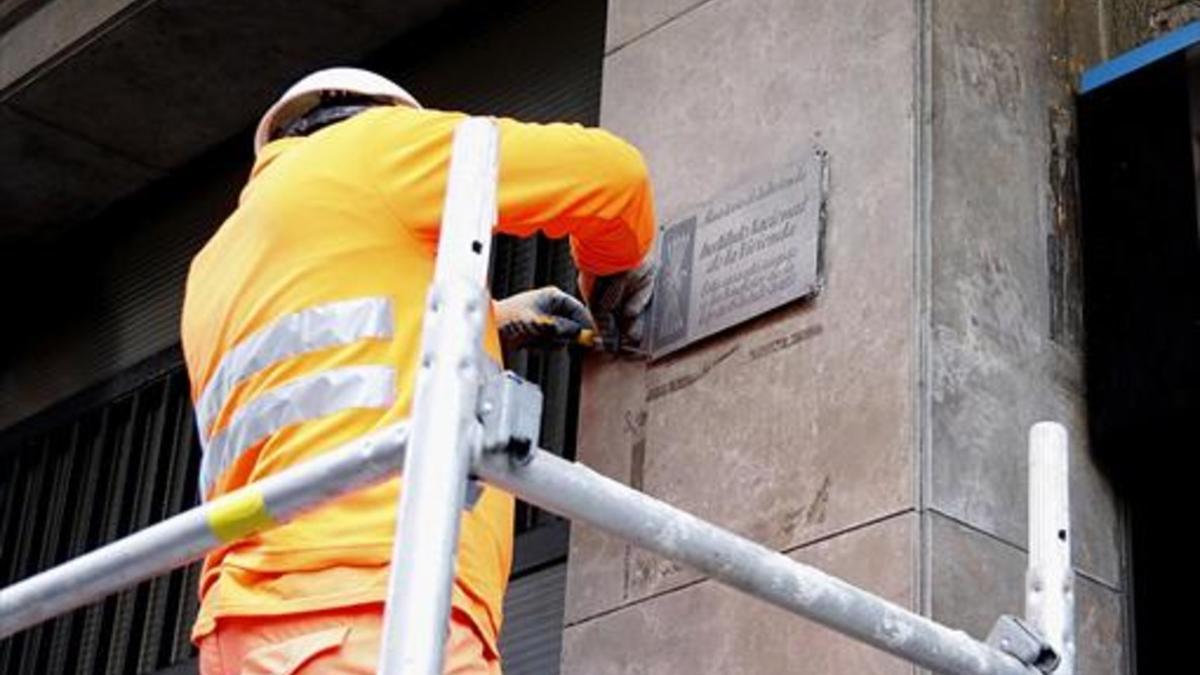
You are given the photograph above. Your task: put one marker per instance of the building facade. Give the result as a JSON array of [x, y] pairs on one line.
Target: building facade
[[877, 430]]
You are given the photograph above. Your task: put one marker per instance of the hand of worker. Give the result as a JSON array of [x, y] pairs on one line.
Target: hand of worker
[[541, 318], [619, 303]]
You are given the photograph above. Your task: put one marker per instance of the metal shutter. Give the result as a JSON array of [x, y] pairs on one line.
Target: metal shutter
[[532, 638], [109, 471]]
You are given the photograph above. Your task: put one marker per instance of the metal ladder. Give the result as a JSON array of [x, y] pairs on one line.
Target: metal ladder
[[471, 422]]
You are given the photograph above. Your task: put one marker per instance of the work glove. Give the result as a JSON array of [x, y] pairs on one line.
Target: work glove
[[542, 318], [620, 303]]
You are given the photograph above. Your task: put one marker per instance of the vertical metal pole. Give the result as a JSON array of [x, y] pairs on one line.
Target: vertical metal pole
[[1050, 581], [445, 428]]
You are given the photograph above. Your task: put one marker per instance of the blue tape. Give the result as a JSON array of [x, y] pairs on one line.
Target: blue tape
[[1175, 41]]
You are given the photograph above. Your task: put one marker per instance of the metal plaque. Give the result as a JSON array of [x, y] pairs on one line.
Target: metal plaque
[[750, 250]]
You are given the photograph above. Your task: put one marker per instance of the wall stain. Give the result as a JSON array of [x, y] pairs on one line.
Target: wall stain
[[683, 382], [812, 513], [791, 520], [785, 342], [1132, 22], [815, 513], [648, 569], [1063, 256], [1168, 19], [990, 73], [628, 564], [635, 426]]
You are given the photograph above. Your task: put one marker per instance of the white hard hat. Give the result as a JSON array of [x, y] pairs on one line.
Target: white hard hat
[[306, 95]]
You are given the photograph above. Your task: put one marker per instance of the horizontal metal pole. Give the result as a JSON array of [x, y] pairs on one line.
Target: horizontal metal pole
[[186, 537], [542, 479], [578, 493]]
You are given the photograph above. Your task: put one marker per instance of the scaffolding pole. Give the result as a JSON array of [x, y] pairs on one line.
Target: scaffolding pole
[[579, 493], [1050, 580], [446, 430], [543, 479], [186, 537]]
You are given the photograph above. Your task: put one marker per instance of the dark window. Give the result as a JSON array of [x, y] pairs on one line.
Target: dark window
[[1138, 189]]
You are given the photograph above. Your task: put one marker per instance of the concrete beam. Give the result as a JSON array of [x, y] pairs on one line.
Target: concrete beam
[[151, 84], [52, 33]]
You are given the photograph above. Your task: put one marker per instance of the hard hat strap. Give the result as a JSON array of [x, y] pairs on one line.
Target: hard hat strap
[[320, 117]]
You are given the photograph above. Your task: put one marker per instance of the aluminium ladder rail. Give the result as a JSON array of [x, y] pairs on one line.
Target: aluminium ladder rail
[[467, 423]]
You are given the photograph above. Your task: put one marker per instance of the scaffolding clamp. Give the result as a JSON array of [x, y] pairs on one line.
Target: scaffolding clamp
[[510, 408], [510, 415], [1015, 637]]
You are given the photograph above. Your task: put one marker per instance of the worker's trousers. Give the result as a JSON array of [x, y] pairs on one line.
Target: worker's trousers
[[344, 640]]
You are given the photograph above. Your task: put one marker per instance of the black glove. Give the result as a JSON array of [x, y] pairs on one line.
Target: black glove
[[542, 318], [619, 303]]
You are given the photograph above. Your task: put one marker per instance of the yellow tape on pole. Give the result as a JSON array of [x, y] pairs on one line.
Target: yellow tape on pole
[[238, 514]]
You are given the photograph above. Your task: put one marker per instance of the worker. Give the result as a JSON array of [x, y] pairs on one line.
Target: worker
[[301, 331]]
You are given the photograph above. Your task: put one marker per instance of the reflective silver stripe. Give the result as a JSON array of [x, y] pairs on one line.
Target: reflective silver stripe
[[328, 325], [300, 400]]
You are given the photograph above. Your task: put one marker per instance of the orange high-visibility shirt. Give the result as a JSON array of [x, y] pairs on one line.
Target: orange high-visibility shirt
[[301, 329]]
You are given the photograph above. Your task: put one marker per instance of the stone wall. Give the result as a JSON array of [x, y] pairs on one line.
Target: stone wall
[[809, 449], [887, 442]]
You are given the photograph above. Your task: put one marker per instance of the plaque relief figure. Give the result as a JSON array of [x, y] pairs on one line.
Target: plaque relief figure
[[674, 284]]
